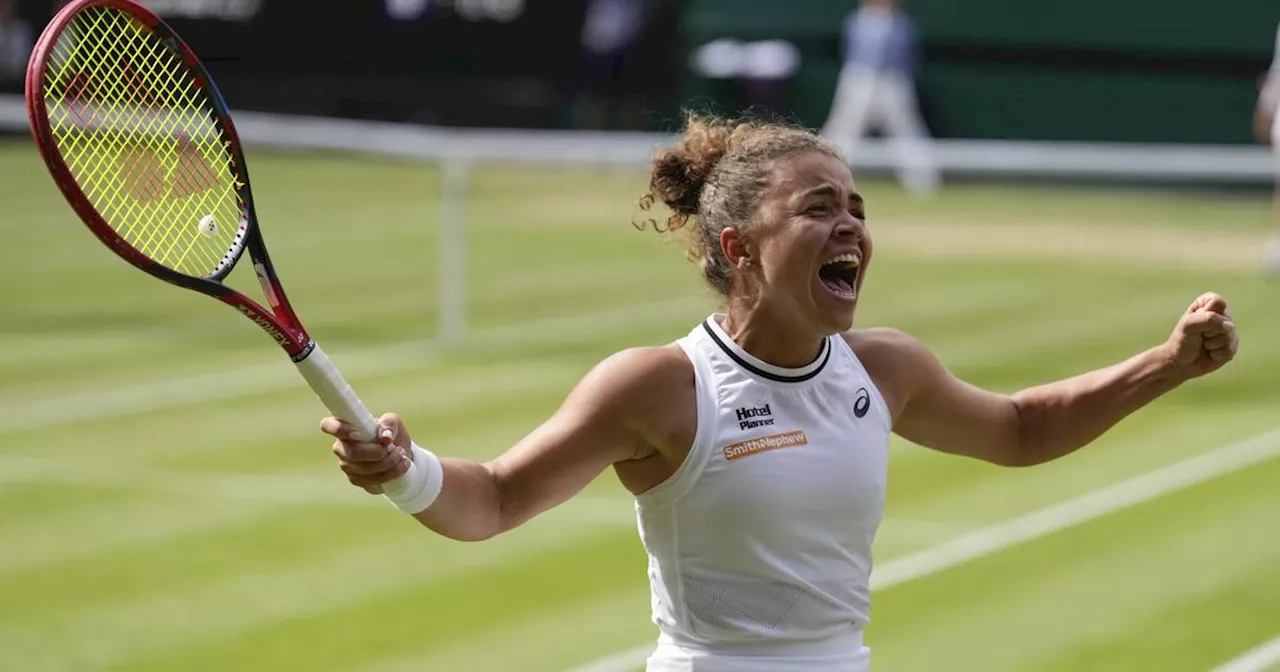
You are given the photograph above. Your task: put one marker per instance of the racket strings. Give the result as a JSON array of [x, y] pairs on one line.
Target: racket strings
[[134, 162], [138, 133], [143, 166]]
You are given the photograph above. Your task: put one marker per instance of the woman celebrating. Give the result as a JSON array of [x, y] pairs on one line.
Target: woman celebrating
[[757, 445]]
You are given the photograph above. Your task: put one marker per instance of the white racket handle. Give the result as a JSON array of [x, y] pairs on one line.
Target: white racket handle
[[342, 401]]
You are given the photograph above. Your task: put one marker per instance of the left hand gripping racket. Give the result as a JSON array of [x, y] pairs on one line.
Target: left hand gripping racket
[[141, 144]]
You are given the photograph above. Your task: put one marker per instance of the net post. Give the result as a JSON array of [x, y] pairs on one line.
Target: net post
[[453, 250]]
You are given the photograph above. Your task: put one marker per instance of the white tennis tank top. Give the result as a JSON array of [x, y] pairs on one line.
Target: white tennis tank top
[[760, 544]]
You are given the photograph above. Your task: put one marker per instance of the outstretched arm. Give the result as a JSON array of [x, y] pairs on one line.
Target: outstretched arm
[[603, 421], [1045, 422]]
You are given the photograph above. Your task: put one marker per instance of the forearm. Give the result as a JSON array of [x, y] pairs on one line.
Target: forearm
[[1064, 416], [469, 506]]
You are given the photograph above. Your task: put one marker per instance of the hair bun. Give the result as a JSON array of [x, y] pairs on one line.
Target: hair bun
[[720, 172], [680, 172]]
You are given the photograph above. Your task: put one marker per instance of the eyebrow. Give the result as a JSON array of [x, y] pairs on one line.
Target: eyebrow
[[828, 190]]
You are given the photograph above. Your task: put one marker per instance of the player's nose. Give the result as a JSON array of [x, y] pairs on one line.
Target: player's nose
[[848, 226]]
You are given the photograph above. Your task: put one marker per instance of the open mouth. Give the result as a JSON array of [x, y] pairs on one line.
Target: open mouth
[[840, 275]]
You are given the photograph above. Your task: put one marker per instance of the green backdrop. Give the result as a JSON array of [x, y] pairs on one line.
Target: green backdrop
[[1104, 70]]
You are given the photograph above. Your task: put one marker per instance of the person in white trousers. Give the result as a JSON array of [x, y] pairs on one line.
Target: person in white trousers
[[877, 88], [1268, 131]]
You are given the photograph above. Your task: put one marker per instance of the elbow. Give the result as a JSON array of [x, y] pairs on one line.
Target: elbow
[[501, 509], [1024, 446], [1016, 455], [465, 529], [1042, 435], [474, 537], [463, 534], [1014, 458]]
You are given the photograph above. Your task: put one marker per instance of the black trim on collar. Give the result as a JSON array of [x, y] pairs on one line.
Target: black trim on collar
[[825, 355]]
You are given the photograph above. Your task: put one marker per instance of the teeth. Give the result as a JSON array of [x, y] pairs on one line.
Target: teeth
[[846, 258]]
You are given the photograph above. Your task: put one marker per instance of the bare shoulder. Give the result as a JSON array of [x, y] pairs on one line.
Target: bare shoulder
[[638, 387], [888, 344], [651, 392], [635, 373], [896, 361], [877, 339]]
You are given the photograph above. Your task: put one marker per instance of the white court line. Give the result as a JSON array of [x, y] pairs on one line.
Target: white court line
[[309, 488], [268, 375], [271, 375], [295, 488], [995, 538], [1254, 660]]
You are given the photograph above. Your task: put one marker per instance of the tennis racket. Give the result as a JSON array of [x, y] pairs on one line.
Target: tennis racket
[[141, 144]]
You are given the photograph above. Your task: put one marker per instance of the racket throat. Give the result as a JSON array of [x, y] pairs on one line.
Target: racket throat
[[275, 296], [270, 288], [306, 351]]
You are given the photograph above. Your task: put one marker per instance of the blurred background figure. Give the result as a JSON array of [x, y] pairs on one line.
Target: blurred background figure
[[16, 40], [877, 89], [611, 29], [1268, 131]]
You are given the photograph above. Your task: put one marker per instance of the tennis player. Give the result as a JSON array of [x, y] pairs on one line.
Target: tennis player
[[756, 445]]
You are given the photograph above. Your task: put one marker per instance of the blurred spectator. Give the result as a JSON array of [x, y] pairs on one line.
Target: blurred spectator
[[1268, 131], [877, 88], [612, 28], [16, 40]]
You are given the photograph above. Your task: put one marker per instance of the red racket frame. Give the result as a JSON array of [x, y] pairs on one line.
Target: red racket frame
[[280, 322]]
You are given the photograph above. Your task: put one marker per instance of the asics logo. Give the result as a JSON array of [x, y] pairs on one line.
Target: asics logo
[[861, 403]]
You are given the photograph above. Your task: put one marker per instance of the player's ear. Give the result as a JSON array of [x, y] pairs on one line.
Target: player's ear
[[736, 248]]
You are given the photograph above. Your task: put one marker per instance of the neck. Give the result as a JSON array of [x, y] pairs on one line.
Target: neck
[[765, 336]]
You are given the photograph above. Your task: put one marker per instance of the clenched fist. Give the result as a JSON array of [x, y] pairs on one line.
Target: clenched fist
[[1205, 338]]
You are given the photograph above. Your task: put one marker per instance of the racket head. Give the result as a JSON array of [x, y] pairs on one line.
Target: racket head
[[139, 139], [141, 143]]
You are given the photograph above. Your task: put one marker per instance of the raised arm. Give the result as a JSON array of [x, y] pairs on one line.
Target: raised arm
[[1042, 423], [605, 419]]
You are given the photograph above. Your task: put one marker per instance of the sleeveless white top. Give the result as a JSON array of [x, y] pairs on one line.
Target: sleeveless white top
[[760, 544]]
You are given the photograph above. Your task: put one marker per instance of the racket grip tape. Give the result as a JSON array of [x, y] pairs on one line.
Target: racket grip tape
[[341, 400]]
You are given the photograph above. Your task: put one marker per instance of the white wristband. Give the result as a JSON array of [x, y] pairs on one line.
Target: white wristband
[[419, 493]]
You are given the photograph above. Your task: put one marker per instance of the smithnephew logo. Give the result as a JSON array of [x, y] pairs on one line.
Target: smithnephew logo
[[762, 444]]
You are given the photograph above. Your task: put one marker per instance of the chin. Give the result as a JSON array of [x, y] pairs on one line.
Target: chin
[[834, 316], [833, 312], [841, 321]]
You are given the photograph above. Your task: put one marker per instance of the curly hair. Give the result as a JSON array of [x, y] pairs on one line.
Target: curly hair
[[717, 174]]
